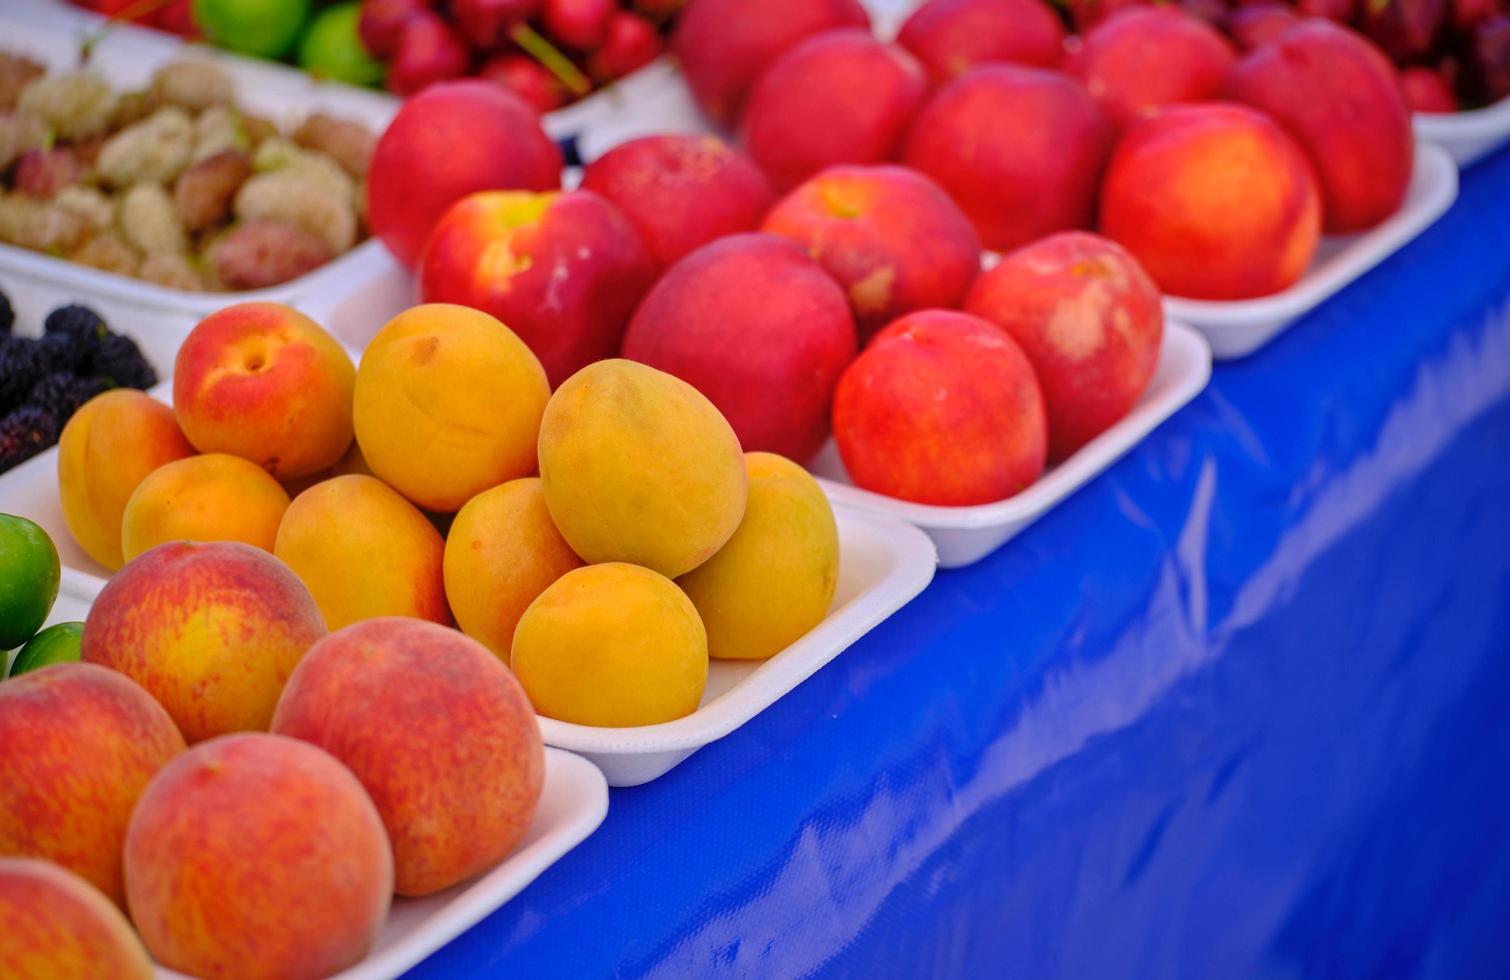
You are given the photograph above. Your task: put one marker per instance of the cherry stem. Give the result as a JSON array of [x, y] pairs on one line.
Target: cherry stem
[[550, 56]]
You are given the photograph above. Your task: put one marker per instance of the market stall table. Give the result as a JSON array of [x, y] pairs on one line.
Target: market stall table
[[1235, 709]]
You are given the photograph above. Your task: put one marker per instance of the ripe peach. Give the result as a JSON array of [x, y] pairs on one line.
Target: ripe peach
[[775, 578], [760, 329], [615, 645], [1089, 319], [638, 466], [502, 551], [450, 140], [838, 97], [724, 45], [56, 925], [890, 236], [210, 630], [941, 408], [217, 497], [257, 856], [78, 744], [448, 404], [107, 448], [1150, 56], [264, 382], [680, 191], [1019, 149], [563, 271], [1251, 233], [456, 787], [1358, 139], [950, 37], [363, 551]]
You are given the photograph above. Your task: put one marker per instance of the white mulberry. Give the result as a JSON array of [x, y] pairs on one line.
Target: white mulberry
[[157, 149], [292, 196], [218, 130], [73, 106], [193, 84], [92, 206], [149, 221]]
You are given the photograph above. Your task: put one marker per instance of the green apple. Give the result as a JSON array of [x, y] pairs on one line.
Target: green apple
[[265, 28], [29, 574], [333, 49]]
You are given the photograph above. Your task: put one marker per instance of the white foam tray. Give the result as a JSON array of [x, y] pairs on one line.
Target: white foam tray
[[573, 803], [965, 535], [1237, 328], [1466, 135], [883, 564]]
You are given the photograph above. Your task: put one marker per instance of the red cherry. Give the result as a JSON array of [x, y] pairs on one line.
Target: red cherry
[[528, 79], [428, 51], [632, 43], [486, 23], [1427, 91], [578, 24], [382, 21]]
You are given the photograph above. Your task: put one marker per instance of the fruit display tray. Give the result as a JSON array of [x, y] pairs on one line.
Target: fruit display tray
[[126, 57], [883, 564], [1467, 135], [572, 805], [1237, 328], [965, 535]]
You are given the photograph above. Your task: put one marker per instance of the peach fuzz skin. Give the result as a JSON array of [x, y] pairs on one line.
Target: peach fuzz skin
[[265, 382], [942, 408], [57, 926], [78, 744], [448, 141], [456, 788], [1214, 201], [1090, 321], [757, 327], [363, 551], [1019, 149], [212, 631], [837, 97], [952, 36], [890, 236], [681, 191], [210, 832], [1361, 145], [107, 449], [563, 271], [724, 45]]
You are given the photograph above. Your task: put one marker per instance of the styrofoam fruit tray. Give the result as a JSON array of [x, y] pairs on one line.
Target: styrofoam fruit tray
[[883, 564], [965, 535], [126, 57], [1236, 328], [573, 803], [1466, 135]]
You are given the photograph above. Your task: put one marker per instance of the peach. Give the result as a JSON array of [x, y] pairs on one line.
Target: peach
[[503, 550], [217, 497], [212, 631], [638, 466], [760, 329], [941, 408], [950, 37], [563, 271], [680, 191], [1251, 233], [456, 787], [107, 449], [1146, 57], [1088, 318], [257, 856], [889, 235], [1019, 149], [446, 142], [775, 578], [448, 404], [264, 382], [837, 97], [614, 645], [724, 45], [56, 925], [363, 551], [1359, 140], [78, 744]]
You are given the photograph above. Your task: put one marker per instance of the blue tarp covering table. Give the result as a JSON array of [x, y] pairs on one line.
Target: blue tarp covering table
[[1239, 708]]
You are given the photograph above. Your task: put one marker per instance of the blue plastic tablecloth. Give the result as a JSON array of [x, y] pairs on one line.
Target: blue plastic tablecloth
[[1239, 708]]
